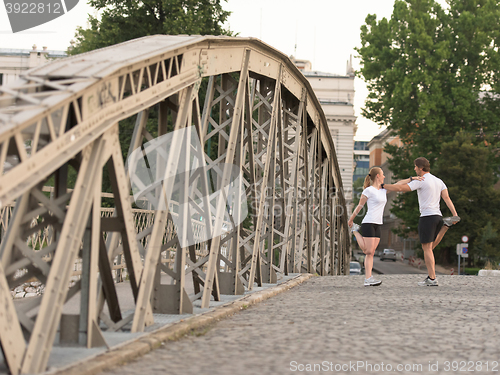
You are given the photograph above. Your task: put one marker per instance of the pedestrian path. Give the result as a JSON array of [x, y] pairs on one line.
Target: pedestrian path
[[123, 345], [336, 325]]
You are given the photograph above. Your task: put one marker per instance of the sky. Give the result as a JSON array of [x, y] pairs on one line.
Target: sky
[[324, 32]]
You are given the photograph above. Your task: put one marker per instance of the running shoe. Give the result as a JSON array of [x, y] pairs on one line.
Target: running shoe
[[449, 221], [428, 282], [372, 282], [354, 228]]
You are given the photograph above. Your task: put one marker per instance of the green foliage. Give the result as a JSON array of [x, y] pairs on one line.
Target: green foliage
[[122, 20], [471, 270], [357, 189], [487, 244], [469, 175], [427, 70]]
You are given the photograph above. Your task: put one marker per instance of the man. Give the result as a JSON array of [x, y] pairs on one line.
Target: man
[[431, 230]]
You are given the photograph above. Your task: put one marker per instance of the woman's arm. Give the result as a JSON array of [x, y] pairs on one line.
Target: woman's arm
[[402, 185], [405, 181], [358, 208], [397, 187]]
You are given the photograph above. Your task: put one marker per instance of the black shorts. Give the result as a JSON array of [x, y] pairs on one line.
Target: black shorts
[[370, 230], [429, 227]]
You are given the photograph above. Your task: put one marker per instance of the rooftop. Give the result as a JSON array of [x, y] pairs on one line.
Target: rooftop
[[26, 52], [333, 102], [325, 75]]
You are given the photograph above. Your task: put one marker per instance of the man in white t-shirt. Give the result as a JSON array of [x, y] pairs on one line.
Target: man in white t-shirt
[[430, 226]]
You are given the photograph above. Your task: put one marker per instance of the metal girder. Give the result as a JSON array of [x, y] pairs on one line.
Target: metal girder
[[68, 245], [259, 114], [11, 336]]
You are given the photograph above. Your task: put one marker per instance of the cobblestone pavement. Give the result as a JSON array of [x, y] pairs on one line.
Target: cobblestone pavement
[[332, 322]]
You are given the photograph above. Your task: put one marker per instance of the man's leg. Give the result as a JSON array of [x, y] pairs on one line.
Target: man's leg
[[429, 259], [440, 236]]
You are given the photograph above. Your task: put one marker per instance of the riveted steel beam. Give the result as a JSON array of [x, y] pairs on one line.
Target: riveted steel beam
[[259, 114]]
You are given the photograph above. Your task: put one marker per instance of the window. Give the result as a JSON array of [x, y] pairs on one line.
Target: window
[[362, 168], [361, 145], [1, 78]]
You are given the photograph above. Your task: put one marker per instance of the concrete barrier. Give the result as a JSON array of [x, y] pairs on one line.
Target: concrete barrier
[[488, 273], [415, 262]]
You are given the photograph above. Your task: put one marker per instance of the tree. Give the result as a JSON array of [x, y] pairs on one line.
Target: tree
[[470, 178], [427, 70], [487, 246], [123, 20]]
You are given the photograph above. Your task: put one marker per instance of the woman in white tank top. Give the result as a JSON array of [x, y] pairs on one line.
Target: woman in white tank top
[[376, 196]]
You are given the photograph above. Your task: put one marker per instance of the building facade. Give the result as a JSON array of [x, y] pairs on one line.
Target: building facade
[[361, 160], [13, 62], [336, 96]]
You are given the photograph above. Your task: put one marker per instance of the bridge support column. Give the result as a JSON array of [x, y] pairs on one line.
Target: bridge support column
[[64, 119]]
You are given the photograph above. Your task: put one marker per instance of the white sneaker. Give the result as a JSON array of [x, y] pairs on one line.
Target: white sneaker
[[428, 282], [354, 228], [449, 221], [372, 282]]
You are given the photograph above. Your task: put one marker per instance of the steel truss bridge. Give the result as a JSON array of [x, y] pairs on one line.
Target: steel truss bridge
[[249, 105]]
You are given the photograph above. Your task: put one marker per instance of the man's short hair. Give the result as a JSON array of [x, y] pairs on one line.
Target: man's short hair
[[423, 163]]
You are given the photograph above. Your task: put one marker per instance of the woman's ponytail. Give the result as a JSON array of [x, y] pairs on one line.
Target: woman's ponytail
[[370, 177], [367, 182]]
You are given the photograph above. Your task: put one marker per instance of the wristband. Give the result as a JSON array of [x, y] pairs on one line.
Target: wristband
[[411, 179], [382, 186]]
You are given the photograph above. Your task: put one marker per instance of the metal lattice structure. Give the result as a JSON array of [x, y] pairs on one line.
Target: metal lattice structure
[[61, 119]]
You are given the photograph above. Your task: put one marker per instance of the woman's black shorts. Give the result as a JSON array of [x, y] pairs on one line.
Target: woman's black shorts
[[429, 227], [370, 230]]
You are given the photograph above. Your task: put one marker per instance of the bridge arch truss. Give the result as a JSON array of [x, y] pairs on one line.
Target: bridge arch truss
[[59, 125]]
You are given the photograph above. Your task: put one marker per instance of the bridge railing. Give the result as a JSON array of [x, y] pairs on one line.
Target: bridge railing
[[244, 103]]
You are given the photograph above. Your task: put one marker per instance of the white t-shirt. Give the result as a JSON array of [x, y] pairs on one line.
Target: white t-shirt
[[429, 194], [377, 198]]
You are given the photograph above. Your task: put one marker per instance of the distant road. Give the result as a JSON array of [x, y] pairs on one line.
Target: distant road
[[389, 267]]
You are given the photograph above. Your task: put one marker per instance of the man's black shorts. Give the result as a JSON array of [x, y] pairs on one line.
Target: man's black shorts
[[370, 230], [429, 227]]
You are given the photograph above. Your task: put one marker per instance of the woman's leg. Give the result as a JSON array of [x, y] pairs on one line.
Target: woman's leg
[[361, 240], [371, 244]]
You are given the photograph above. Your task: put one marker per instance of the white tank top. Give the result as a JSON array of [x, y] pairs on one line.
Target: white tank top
[[376, 203]]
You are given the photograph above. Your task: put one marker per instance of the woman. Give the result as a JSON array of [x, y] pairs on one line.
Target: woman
[[369, 238]]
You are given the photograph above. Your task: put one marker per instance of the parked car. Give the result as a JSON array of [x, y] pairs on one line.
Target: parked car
[[355, 268], [388, 254]]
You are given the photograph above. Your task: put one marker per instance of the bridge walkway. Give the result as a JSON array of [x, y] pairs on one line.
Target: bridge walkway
[[335, 321]]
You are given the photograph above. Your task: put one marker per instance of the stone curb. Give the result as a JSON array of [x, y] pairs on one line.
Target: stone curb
[[138, 347], [488, 273]]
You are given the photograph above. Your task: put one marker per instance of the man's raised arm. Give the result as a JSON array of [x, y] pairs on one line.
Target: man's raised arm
[[401, 185], [449, 203]]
